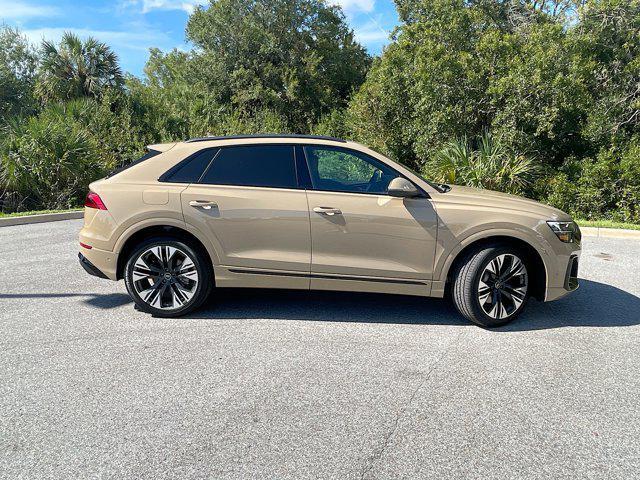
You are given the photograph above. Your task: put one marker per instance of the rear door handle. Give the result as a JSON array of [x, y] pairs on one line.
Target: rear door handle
[[327, 210], [203, 204]]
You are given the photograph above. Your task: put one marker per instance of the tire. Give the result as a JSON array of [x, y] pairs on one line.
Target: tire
[[168, 277], [485, 298]]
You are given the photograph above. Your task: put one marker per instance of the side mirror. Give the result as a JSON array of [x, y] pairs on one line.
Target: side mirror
[[401, 187]]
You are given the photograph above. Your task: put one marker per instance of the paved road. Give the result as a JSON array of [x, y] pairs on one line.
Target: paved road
[[311, 385]]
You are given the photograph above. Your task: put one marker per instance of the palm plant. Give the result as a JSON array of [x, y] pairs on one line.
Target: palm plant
[[77, 69], [489, 165]]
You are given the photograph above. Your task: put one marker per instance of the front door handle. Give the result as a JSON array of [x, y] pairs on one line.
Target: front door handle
[[327, 211], [203, 204]]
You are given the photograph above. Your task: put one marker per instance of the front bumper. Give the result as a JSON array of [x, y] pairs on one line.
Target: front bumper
[[569, 279], [571, 276]]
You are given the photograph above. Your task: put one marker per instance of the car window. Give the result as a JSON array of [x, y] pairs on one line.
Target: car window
[[255, 166], [343, 170], [190, 170]]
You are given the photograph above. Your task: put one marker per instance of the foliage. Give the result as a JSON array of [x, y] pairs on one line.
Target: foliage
[[77, 69], [47, 161], [604, 187], [17, 74], [297, 58], [487, 166]]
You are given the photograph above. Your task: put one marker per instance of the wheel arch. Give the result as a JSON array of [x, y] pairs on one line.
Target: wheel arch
[[128, 241], [538, 277]]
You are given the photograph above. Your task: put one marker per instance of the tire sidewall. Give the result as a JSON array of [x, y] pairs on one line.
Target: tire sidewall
[[202, 289]]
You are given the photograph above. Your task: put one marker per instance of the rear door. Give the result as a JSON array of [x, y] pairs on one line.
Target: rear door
[[249, 203]]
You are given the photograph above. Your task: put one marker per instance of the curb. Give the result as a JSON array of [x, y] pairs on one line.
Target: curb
[[45, 217], [609, 232]]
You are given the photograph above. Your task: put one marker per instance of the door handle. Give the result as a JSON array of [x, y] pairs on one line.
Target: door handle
[[203, 204], [327, 210]]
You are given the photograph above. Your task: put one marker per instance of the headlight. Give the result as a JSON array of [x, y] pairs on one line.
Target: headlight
[[567, 232]]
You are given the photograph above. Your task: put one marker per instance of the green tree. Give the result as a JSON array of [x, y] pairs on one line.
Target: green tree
[[77, 68], [17, 74], [297, 58], [609, 33]]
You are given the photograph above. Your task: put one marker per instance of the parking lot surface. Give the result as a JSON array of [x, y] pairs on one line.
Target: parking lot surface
[[280, 384]]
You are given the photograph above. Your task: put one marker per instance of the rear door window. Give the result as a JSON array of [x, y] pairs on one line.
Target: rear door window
[[253, 166]]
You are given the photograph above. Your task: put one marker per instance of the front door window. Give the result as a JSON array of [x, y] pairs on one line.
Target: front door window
[[341, 170]]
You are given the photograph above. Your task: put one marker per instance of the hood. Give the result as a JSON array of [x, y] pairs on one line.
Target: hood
[[481, 197]]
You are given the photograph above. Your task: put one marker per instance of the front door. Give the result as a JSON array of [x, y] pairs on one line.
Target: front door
[[363, 238], [249, 204]]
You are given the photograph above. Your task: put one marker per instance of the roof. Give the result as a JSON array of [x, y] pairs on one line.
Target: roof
[[266, 135]]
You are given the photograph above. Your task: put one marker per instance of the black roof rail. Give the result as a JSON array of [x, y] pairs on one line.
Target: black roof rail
[[266, 135]]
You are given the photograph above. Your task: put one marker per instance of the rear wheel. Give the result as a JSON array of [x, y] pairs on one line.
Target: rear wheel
[[491, 287], [168, 277]]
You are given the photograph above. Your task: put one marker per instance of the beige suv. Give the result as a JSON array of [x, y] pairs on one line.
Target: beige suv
[[311, 212]]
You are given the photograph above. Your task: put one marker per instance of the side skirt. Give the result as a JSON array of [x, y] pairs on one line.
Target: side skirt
[[241, 277]]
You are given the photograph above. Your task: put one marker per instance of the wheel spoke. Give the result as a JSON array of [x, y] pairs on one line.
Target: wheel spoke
[[483, 293], [517, 269]]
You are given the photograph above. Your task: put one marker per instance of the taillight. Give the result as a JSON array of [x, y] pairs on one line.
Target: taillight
[[94, 201]]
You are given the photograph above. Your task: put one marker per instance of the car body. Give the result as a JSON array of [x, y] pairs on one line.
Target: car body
[[310, 212]]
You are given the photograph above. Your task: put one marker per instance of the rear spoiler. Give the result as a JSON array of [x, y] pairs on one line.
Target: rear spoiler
[[161, 147]]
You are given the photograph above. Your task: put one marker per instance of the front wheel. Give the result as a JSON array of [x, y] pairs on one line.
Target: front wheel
[[491, 287], [167, 277]]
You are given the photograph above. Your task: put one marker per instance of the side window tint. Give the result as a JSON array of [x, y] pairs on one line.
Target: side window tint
[[342, 170], [254, 166], [192, 170]]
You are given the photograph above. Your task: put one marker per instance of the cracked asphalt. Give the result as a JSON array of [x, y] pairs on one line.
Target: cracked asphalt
[[277, 384]]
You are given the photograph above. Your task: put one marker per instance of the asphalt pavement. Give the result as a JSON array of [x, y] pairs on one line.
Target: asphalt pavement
[[280, 384]]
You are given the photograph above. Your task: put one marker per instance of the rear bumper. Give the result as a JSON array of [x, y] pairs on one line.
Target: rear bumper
[[89, 267], [95, 260]]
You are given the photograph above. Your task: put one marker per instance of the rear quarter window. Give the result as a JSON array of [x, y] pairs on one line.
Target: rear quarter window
[[191, 169]]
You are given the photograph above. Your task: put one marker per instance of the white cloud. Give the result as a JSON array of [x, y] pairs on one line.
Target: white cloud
[[149, 5], [355, 5], [371, 32], [16, 10], [116, 39]]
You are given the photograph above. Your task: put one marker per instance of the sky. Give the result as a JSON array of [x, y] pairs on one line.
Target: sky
[[131, 27]]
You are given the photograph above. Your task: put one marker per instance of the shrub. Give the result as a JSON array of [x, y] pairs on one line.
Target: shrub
[[48, 162], [489, 165]]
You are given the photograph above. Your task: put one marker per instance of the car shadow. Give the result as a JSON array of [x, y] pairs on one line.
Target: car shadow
[[594, 304], [105, 301]]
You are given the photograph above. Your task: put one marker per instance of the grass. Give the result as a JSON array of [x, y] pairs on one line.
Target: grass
[[36, 212], [608, 224]]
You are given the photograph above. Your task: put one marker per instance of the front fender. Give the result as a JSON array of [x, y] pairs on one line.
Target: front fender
[[449, 248]]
